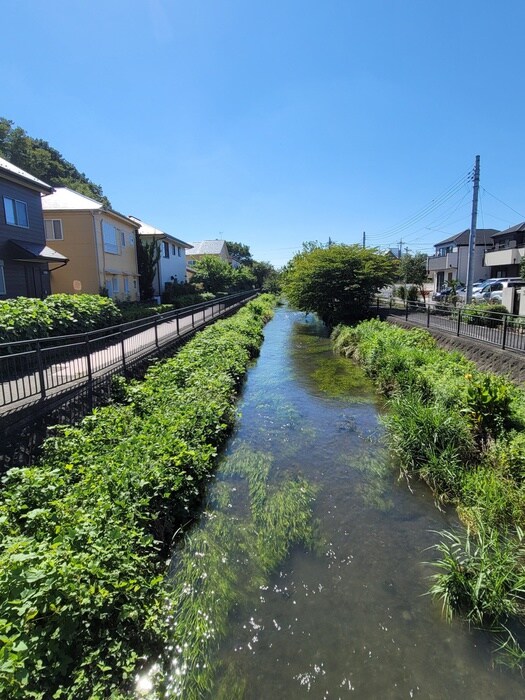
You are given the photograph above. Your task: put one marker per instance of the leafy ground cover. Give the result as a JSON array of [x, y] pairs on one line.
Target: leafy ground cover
[[462, 431], [86, 534], [25, 318]]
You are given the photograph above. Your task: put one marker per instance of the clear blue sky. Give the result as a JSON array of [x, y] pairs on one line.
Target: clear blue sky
[[279, 121]]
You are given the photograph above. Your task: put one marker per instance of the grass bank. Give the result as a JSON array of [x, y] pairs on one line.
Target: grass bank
[[86, 534], [462, 432]]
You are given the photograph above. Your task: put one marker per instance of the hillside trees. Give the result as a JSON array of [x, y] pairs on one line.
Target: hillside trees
[[40, 159], [337, 282]]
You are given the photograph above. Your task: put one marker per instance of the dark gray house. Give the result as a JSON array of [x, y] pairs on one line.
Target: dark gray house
[[24, 256]]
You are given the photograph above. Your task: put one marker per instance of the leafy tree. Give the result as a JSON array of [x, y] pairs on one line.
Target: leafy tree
[[265, 275], [413, 270], [40, 159], [213, 274], [148, 254], [338, 282], [243, 278], [240, 252]]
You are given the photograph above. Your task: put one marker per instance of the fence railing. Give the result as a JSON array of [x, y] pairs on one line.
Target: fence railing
[[506, 331], [35, 369]]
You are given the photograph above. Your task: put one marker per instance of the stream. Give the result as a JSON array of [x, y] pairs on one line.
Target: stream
[[345, 614]]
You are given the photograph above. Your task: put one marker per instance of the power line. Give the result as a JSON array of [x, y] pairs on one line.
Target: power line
[[504, 203]]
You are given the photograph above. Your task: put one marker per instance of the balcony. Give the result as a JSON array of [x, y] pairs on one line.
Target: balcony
[[507, 256], [440, 263]]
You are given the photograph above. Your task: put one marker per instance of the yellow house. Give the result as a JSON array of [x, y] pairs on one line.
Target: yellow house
[[99, 242]]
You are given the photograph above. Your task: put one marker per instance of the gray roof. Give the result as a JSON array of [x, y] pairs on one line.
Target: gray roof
[[10, 170], [483, 236], [66, 199], [208, 248], [513, 229], [149, 230]]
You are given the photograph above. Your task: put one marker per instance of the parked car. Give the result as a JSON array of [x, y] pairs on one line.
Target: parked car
[[445, 293], [476, 287], [493, 291]]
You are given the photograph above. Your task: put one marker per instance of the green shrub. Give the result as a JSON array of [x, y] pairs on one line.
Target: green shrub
[[86, 532], [59, 314], [485, 314]]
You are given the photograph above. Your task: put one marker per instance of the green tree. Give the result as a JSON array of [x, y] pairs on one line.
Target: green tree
[[266, 275], [413, 270], [338, 282], [213, 274], [40, 159], [148, 254], [240, 252]]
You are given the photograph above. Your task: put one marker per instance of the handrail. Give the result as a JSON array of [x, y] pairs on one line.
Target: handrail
[[45, 367], [132, 325]]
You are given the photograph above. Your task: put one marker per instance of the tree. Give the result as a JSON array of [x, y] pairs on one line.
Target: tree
[[40, 159], [148, 254], [240, 253], [413, 270], [214, 274], [265, 275], [339, 282]]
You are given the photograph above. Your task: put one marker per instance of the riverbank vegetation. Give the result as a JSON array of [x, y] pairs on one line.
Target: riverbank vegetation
[[86, 533], [462, 431]]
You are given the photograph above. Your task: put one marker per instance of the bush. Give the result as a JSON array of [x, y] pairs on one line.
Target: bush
[[59, 314], [86, 532], [485, 314]]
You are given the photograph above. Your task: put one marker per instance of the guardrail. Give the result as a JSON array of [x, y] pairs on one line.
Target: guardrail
[[506, 331], [33, 370]]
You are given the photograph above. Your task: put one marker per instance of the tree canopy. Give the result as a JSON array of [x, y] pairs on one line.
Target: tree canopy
[[216, 275], [413, 270], [38, 158], [337, 282], [240, 252]]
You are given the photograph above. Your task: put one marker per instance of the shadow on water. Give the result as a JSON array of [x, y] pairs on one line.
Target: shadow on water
[[307, 568]]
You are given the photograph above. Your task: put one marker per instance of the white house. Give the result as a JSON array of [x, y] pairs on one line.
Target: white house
[[171, 266]]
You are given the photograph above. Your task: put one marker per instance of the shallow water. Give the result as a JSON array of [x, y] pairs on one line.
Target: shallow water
[[348, 616]]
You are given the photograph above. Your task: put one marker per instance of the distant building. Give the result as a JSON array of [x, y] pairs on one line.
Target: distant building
[[24, 256], [507, 253], [217, 248], [451, 258], [171, 266], [99, 242]]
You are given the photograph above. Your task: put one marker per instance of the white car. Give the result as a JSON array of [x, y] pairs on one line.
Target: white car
[[494, 290]]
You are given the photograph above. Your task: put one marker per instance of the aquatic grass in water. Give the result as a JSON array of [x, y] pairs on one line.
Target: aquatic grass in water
[[229, 555]]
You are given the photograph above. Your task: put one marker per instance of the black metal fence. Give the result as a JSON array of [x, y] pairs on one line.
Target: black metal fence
[[506, 331], [34, 370]]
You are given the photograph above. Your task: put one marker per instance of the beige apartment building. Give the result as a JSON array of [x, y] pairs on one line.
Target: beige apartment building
[[99, 242]]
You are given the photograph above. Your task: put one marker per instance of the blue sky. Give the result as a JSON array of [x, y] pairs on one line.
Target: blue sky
[[277, 122]]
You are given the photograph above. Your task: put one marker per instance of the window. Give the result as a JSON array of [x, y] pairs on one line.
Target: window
[[131, 239], [126, 285], [54, 230], [166, 249], [179, 251], [109, 234], [122, 239], [15, 212], [2, 278], [173, 249], [114, 285]]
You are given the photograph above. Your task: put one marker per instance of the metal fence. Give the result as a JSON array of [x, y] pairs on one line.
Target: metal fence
[[34, 370], [506, 331]]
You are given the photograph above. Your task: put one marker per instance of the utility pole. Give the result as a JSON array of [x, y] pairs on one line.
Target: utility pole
[[364, 239], [472, 239], [400, 244]]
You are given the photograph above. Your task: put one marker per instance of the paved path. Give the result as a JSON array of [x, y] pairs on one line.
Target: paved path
[[114, 353]]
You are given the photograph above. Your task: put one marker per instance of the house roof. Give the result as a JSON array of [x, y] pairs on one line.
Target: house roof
[[149, 230], [512, 229], [13, 172], [65, 199], [208, 248], [483, 236]]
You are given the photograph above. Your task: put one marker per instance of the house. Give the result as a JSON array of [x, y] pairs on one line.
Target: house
[[171, 266], [507, 252], [24, 256], [217, 248], [451, 258], [99, 242]]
